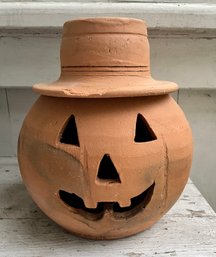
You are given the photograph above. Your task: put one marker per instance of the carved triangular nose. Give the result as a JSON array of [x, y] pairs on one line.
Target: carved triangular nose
[[107, 170]]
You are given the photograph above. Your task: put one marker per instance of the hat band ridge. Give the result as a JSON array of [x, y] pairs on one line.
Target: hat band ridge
[[104, 69]]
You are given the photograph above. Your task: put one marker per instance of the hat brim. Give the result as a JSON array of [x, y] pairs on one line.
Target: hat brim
[[105, 87]]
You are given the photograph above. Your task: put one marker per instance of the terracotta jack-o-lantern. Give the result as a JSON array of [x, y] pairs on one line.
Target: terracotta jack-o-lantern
[[105, 151]]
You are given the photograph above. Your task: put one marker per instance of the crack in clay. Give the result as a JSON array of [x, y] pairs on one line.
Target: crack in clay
[[86, 173], [166, 157]]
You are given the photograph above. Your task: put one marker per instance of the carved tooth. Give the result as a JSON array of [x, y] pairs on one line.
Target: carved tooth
[[90, 204], [125, 203]]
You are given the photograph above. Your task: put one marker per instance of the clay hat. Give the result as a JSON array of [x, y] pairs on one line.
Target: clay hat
[[105, 57]]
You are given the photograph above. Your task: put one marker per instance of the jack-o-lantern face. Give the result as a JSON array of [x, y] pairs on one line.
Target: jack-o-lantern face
[[105, 168], [107, 177]]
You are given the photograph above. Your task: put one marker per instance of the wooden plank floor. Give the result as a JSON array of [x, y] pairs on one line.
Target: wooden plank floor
[[188, 229]]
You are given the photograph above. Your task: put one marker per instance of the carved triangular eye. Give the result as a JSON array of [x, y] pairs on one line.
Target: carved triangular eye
[[69, 134], [107, 170], [143, 131]]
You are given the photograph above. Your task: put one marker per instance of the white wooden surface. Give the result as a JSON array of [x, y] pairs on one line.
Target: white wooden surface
[[188, 229], [157, 15], [5, 126]]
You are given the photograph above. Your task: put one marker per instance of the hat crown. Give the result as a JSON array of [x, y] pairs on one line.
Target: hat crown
[[105, 43], [105, 58]]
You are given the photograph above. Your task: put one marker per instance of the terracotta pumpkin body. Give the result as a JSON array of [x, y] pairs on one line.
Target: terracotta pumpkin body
[[101, 165]]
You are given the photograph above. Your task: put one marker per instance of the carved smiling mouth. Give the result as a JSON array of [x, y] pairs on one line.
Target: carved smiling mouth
[[138, 203]]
